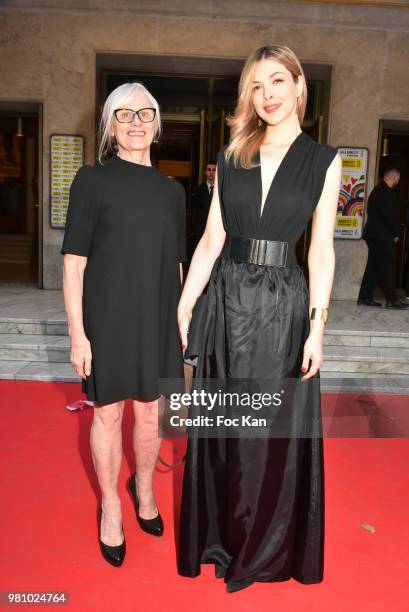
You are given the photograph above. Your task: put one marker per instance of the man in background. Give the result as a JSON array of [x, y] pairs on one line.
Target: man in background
[[201, 201], [381, 234], [406, 298]]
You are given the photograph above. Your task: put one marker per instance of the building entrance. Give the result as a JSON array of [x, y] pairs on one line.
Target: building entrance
[[19, 193], [195, 96]]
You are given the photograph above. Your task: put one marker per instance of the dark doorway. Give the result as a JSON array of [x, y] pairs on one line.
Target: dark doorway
[[19, 192], [393, 151], [196, 95]]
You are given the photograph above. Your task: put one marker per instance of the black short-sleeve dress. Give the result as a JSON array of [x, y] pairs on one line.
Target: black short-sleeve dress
[[129, 221]]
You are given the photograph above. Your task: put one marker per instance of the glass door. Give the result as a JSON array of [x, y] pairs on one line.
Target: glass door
[[19, 195]]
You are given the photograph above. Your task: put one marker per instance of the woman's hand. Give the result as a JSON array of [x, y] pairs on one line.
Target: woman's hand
[[184, 318], [73, 281], [313, 353], [81, 355]]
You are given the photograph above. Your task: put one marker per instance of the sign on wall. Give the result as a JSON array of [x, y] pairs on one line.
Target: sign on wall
[[66, 156], [350, 215]]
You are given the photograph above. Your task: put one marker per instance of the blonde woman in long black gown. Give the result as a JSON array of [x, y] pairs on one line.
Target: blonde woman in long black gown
[[255, 507]]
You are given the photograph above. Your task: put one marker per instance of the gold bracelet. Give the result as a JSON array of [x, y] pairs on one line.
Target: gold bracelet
[[319, 313]]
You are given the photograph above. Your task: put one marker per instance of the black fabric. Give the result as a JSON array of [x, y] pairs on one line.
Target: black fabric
[[196, 327], [380, 268], [407, 251], [129, 221], [255, 507], [407, 228], [383, 214], [200, 206]]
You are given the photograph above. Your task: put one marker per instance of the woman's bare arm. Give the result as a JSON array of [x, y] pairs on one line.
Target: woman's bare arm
[[73, 279], [321, 263]]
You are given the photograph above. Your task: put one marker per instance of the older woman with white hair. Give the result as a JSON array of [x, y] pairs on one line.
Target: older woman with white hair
[[123, 244]]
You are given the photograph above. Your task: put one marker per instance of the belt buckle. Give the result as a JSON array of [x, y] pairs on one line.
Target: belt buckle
[[254, 252]]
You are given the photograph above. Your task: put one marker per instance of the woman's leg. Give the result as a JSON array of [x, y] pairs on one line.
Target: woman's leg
[[146, 442], [106, 448]]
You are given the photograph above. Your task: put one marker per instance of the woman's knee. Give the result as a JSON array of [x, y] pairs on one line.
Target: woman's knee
[[146, 414], [110, 415]]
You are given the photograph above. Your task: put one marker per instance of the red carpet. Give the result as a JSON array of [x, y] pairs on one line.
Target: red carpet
[[49, 530]]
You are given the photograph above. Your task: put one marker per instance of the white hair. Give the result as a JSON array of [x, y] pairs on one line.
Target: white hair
[[117, 99]]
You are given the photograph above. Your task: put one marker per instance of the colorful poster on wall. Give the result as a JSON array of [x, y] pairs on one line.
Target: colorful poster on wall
[[350, 215], [66, 156]]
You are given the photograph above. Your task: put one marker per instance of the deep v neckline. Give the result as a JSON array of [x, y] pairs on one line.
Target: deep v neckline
[[261, 206]]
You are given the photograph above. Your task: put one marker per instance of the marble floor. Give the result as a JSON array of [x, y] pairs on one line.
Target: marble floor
[[344, 315], [27, 303], [365, 348]]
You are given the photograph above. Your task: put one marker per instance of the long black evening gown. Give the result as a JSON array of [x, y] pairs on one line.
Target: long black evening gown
[[129, 221], [255, 507]]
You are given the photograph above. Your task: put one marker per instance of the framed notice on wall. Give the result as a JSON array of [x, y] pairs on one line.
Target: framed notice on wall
[[350, 215], [66, 156]]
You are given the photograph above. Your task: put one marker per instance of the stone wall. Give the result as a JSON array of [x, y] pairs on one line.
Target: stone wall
[[48, 50]]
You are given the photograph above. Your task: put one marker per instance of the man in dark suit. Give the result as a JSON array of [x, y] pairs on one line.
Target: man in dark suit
[[381, 233], [406, 298], [201, 200]]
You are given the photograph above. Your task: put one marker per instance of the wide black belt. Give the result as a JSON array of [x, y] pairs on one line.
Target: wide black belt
[[259, 252]]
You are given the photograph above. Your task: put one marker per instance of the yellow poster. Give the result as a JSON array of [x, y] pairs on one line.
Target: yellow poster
[[66, 157]]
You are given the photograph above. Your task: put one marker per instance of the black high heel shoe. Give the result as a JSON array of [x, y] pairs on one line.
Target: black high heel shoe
[[113, 554], [152, 526]]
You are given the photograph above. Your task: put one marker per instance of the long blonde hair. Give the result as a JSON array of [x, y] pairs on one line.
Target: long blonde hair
[[247, 130]]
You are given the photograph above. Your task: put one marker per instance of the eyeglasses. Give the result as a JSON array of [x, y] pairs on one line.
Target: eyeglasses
[[127, 115]]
